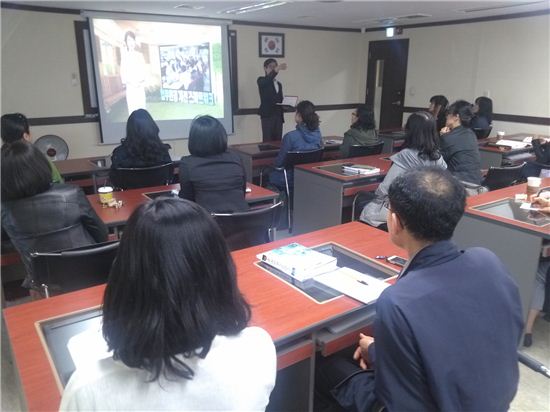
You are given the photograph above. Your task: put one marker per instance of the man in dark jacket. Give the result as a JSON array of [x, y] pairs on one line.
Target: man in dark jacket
[[446, 334], [271, 93]]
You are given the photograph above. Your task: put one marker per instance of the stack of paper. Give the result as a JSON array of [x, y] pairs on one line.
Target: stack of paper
[[354, 284], [512, 144], [361, 169], [298, 261]]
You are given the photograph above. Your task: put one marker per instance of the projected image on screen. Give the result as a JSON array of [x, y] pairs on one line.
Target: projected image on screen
[[173, 70]]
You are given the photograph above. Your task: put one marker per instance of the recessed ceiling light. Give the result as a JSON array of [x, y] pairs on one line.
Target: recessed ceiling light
[[254, 7], [189, 7]]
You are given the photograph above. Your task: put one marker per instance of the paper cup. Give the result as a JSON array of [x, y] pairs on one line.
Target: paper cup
[[533, 185], [105, 194], [500, 134]]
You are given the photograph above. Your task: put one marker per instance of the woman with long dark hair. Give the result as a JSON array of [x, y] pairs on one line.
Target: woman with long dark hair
[[459, 143], [211, 175], [306, 136], [421, 148], [142, 146], [362, 130], [438, 108], [176, 323], [39, 216], [483, 111]]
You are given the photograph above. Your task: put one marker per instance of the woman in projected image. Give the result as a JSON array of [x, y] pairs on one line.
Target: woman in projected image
[[176, 322], [132, 73]]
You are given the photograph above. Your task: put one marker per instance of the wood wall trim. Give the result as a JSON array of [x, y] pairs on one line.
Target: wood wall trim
[[57, 120], [43, 9], [512, 118]]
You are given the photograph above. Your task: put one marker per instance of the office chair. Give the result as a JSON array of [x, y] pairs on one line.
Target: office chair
[[251, 228], [360, 200], [72, 269], [482, 133], [360, 150], [499, 177], [292, 159], [135, 177]]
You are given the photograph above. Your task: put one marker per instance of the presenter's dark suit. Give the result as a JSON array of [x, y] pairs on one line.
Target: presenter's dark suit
[[270, 113], [217, 182]]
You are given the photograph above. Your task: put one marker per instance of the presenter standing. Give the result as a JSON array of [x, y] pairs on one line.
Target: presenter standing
[[132, 74], [271, 93]]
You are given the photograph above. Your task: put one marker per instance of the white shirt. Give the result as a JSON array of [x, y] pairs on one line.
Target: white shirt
[[238, 374]]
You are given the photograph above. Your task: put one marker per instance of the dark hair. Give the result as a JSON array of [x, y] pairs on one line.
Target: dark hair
[[421, 134], [268, 62], [142, 137], [207, 137], [463, 110], [306, 109], [365, 118], [131, 34], [25, 171], [171, 290], [14, 126], [440, 100], [429, 202], [485, 108]]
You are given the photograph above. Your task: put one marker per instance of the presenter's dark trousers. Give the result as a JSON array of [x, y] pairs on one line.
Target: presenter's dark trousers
[[272, 127]]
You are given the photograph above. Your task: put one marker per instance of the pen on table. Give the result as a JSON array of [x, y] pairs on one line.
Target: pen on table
[[362, 282]]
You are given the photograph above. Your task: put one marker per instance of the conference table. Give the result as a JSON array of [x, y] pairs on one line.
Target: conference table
[[322, 190], [298, 324], [496, 156], [131, 199], [256, 156], [494, 220], [393, 139]]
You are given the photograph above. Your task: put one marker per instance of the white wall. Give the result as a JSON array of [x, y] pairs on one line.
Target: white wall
[[39, 61], [507, 59]]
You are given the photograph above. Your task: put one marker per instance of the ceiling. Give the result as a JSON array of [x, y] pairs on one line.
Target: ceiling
[[327, 13]]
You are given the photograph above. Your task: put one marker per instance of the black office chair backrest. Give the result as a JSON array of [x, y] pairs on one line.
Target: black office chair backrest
[[72, 269], [482, 133], [302, 157], [133, 178], [245, 229], [499, 177], [360, 150]]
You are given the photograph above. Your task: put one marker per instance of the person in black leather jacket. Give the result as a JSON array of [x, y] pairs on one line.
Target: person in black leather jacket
[[39, 216]]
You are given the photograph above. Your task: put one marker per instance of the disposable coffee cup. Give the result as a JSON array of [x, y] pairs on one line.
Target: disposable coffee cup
[[533, 185], [501, 134], [105, 194]]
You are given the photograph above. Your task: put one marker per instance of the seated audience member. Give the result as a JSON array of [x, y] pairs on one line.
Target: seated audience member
[[15, 126], [459, 143], [142, 146], [541, 286], [421, 148], [176, 323], [446, 334], [541, 146], [362, 130], [438, 107], [483, 111], [212, 176], [306, 137], [39, 216]]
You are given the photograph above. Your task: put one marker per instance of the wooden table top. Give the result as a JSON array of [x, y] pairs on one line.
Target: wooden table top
[[518, 137], [501, 194], [80, 166], [253, 150], [276, 306], [380, 161], [132, 198]]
